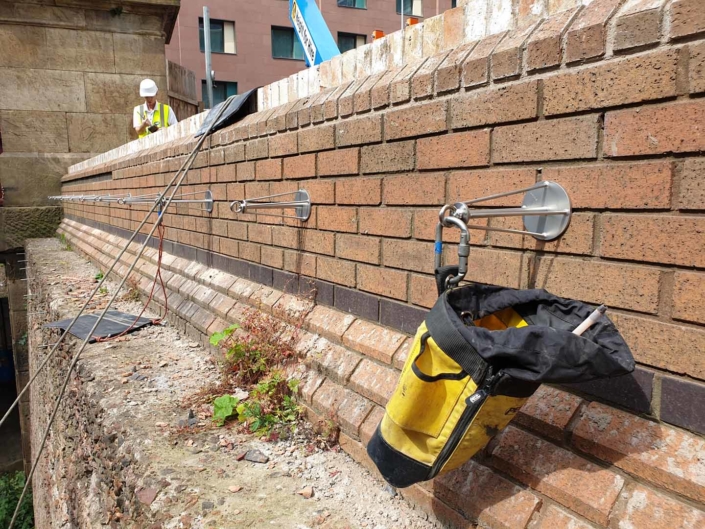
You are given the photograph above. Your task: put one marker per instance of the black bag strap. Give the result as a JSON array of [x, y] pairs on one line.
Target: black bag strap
[[442, 275], [451, 342]]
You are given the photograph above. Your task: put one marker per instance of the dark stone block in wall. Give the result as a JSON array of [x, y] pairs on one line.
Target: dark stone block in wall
[[631, 391], [238, 268], [285, 281], [204, 257], [325, 292], [261, 274], [168, 247], [682, 403], [357, 303], [400, 316]]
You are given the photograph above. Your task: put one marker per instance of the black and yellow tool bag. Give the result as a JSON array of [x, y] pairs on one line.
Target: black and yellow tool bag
[[479, 355]]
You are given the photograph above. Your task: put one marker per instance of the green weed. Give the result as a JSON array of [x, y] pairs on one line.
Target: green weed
[[64, 242], [11, 486]]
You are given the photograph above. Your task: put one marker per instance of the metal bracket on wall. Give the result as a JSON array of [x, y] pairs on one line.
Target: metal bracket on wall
[[545, 209], [301, 205]]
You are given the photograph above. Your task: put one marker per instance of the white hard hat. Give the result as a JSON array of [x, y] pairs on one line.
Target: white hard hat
[[148, 88]]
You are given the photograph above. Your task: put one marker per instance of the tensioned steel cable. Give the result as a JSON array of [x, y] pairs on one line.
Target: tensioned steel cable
[[181, 174]]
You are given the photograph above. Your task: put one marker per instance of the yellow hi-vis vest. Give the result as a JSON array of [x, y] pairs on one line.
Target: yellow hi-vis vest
[[160, 117]]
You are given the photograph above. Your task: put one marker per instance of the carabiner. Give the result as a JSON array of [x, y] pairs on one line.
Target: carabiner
[[463, 246]]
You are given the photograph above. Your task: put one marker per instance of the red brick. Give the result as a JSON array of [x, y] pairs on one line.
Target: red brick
[[555, 518], [327, 398], [696, 68], [269, 169], [629, 80], [374, 381], [318, 242], [507, 56], [256, 149], [556, 139], [388, 283], [426, 221], [323, 190], [329, 323], [362, 99], [318, 107], [283, 144], [390, 222], [476, 68], [416, 120], [402, 354], [467, 185], [333, 361], [656, 239], [310, 382], [514, 102], [347, 100], [339, 162], [373, 340], [414, 189], [659, 129], [638, 24], [663, 345], [462, 149], [265, 297], [453, 27], [646, 508], [272, 257], [245, 171], [368, 427], [544, 47], [577, 240], [260, 233], [407, 255], [380, 93], [662, 455], [688, 301], [234, 153], [225, 173], [486, 497], [300, 166], [336, 271], [438, 510], [587, 36], [615, 285], [388, 157], [249, 251], [353, 410], [548, 411], [422, 81], [359, 131], [292, 309], [300, 263], [400, 88], [448, 73], [359, 191], [358, 248], [317, 138], [330, 107], [687, 18], [494, 267], [561, 475], [423, 290], [335, 218], [616, 186]]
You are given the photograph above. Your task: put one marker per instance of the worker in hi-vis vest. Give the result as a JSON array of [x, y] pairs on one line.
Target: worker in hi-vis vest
[[151, 116]]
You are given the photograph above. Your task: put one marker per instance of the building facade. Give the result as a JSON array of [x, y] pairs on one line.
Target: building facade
[[254, 43]]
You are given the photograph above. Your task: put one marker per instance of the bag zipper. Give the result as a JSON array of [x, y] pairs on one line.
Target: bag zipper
[[472, 407]]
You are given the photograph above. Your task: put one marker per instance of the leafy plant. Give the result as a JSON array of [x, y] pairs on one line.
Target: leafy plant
[[99, 276], [219, 337], [64, 241], [223, 408], [11, 486], [271, 405], [103, 290]]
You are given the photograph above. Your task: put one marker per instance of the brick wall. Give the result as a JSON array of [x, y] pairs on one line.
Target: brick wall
[[612, 113]]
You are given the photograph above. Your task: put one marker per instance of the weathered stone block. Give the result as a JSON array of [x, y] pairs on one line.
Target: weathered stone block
[[115, 93], [27, 89], [139, 54], [97, 133], [33, 131], [86, 51]]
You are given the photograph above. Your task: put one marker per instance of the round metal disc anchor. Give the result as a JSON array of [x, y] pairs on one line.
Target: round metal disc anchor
[[208, 204], [303, 212], [549, 226]]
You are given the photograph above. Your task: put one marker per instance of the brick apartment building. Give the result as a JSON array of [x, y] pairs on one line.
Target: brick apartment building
[[254, 43]]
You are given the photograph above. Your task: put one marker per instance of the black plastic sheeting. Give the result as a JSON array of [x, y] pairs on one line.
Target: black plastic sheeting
[[113, 323], [238, 107]]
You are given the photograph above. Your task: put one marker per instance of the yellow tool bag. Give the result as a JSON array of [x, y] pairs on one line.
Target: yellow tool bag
[[479, 355]]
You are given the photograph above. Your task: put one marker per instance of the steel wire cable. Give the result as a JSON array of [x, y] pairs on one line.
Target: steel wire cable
[[180, 174]]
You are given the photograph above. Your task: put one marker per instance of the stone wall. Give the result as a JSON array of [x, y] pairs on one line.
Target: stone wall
[[605, 99]]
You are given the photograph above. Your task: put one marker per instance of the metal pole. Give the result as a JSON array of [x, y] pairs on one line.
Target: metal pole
[[207, 46], [402, 15]]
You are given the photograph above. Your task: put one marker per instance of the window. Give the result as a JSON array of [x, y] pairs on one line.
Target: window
[[349, 41], [285, 44], [411, 7], [221, 91], [359, 4], [453, 3], [222, 36]]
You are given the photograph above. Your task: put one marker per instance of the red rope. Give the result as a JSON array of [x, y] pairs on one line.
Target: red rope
[[161, 230]]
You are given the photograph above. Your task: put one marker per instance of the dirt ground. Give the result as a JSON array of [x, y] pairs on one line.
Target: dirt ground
[[192, 473]]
